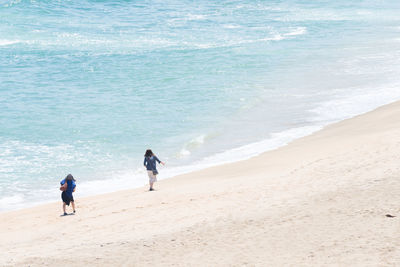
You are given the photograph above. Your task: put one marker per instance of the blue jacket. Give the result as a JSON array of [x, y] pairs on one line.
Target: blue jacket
[[71, 185], [150, 163]]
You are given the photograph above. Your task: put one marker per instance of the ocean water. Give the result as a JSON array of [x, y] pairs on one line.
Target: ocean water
[[87, 86]]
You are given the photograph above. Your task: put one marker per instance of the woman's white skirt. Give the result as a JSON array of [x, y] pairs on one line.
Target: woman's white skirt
[[152, 177]]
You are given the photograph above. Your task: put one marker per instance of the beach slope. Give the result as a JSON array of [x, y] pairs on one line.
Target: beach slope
[[325, 199]]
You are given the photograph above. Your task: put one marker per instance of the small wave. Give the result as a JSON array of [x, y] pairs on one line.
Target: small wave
[[188, 18], [183, 153], [121, 180], [192, 144], [258, 7], [77, 41], [276, 37], [297, 31], [11, 201], [347, 106], [275, 141], [231, 26], [195, 17], [9, 42], [12, 2]]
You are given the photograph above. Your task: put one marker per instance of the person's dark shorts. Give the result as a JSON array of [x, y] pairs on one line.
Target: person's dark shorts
[[66, 198]]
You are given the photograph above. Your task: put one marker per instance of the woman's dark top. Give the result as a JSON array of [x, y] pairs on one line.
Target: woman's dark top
[[150, 163]]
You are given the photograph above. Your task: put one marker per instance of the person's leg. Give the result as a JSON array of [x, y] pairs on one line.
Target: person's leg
[[73, 205], [65, 201], [152, 179]]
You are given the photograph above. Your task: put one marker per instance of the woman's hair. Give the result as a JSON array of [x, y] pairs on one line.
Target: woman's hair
[[70, 178], [148, 153]]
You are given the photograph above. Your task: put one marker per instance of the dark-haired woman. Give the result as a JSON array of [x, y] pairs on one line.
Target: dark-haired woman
[[150, 162], [68, 186]]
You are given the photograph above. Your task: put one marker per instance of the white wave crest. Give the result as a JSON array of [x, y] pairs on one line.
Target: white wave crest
[[297, 31], [349, 105], [8, 201], [4, 42], [192, 144]]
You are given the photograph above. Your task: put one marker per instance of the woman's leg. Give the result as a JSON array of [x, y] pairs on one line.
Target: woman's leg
[[73, 205], [152, 179], [64, 205]]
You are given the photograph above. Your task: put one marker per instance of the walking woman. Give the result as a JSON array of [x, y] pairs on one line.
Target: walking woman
[[68, 186], [150, 162]]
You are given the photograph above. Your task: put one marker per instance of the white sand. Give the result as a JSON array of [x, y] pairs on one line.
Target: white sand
[[320, 201]]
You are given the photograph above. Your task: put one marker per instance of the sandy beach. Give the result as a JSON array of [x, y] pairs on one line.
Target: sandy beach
[[320, 201]]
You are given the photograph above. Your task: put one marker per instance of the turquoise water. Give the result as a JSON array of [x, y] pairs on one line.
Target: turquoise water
[[87, 86]]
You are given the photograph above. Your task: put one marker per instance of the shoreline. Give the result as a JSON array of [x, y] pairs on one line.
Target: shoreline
[[207, 162], [320, 200]]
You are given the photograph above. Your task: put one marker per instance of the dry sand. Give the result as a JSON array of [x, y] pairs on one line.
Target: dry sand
[[320, 201]]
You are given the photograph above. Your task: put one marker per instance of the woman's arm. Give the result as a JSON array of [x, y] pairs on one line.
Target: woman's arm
[[63, 186], [159, 161]]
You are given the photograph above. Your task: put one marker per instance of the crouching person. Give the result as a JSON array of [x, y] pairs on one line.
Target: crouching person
[[68, 186]]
